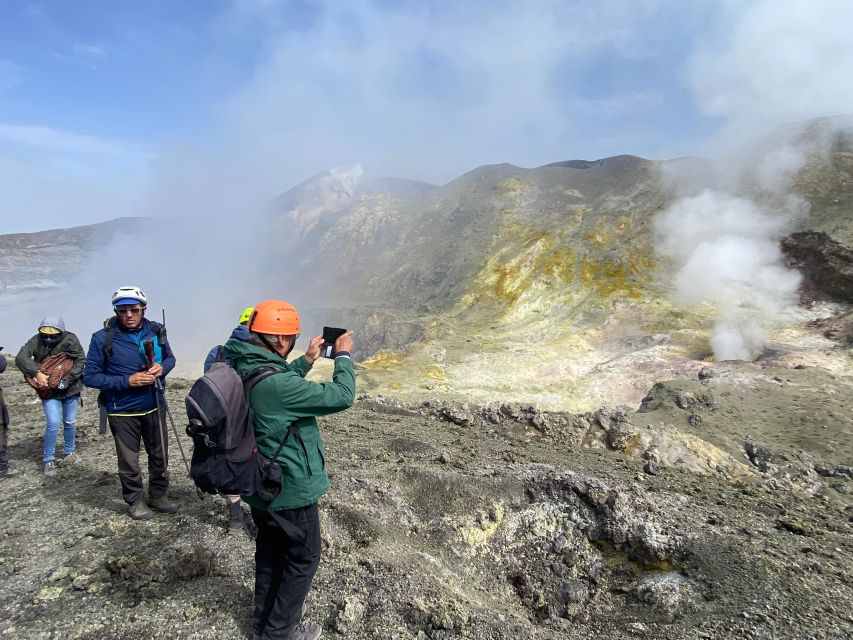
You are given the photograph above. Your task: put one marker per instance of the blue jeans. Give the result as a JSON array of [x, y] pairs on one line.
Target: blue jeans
[[56, 411]]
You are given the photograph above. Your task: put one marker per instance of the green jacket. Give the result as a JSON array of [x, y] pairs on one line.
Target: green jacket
[[32, 353], [281, 399]]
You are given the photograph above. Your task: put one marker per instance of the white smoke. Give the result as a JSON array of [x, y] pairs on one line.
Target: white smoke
[[773, 62], [727, 252], [769, 63]]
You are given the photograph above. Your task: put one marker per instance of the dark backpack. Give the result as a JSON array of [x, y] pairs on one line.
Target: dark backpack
[[225, 455]]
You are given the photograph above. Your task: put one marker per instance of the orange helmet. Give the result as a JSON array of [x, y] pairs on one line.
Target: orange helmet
[[274, 317]]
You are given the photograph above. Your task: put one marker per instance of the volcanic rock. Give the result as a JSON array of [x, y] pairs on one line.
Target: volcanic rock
[[827, 265]]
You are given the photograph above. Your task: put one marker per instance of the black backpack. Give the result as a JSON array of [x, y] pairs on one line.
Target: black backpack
[[225, 455]]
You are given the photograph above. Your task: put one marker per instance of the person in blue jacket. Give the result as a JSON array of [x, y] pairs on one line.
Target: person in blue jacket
[[240, 332], [127, 361]]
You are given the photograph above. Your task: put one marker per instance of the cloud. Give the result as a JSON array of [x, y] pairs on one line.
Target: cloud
[[775, 62], [46, 193], [50, 139], [11, 74], [620, 104], [88, 50], [425, 90], [52, 178]]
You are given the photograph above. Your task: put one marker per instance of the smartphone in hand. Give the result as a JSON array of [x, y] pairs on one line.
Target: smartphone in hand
[[330, 334]]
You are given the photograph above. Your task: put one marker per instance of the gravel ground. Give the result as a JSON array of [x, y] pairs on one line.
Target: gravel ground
[[443, 527]]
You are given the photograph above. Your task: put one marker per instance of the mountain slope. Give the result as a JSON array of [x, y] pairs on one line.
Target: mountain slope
[[506, 283]]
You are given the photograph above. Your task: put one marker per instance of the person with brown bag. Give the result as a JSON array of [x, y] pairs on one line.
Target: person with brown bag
[[52, 363]]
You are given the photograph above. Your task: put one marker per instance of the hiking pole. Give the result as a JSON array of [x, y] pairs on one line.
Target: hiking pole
[[174, 428], [102, 420], [148, 345], [198, 491], [159, 388]]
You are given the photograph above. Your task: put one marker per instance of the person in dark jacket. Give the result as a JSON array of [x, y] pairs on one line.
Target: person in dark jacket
[[240, 332], [236, 520], [132, 391], [62, 404], [285, 407], [7, 469]]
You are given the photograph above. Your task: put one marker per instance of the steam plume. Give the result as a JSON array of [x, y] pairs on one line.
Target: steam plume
[[727, 252]]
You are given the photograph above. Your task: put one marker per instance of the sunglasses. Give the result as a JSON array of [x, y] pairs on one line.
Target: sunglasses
[[133, 311]]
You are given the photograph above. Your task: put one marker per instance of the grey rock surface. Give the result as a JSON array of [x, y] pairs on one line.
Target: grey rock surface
[[443, 522]]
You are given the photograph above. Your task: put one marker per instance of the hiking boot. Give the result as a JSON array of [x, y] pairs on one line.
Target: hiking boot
[[235, 518], [49, 469], [250, 528], [162, 504], [235, 527], [257, 636], [71, 458], [138, 511], [10, 471], [310, 631]]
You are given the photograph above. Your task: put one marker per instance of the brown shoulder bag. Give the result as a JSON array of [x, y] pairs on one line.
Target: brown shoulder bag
[[55, 367]]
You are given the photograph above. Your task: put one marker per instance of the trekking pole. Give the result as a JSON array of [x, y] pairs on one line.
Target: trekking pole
[[148, 345], [198, 491], [164, 432], [102, 420]]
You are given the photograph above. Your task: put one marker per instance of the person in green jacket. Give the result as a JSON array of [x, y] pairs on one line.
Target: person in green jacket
[[64, 401], [285, 407]]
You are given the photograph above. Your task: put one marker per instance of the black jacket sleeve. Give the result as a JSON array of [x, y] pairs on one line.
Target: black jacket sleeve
[[25, 360], [74, 350]]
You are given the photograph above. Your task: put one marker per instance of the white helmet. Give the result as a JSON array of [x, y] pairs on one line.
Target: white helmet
[[129, 295]]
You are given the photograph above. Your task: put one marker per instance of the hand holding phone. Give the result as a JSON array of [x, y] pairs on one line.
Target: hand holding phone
[[344, 343]]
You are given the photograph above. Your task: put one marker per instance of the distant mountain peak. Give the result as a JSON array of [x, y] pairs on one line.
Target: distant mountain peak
[[342, 181], [593, 164], [346, 178], [577, 164], [327, 192]]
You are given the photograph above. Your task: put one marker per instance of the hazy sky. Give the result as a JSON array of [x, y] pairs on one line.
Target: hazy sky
[[163, 107]]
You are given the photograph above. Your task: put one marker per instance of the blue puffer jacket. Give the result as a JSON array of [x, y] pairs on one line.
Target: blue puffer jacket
[[126, 359], [240, 333]]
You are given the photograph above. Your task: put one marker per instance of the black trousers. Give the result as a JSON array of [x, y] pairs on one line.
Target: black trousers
[[128, 431], [4, 436], [284, 570]]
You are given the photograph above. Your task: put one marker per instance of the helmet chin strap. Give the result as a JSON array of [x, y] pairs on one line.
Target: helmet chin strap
[[292, 344], [272, 348]]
